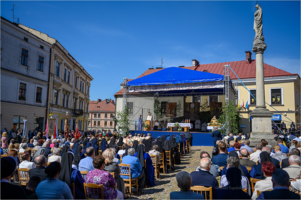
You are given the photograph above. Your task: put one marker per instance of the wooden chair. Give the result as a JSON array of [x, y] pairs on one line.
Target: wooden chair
[[48, 164], [99, 152], [245, 190], [288, 155], [218, 178], [23, 176], [73, 190], [222, 167], [84, 173], [20, 155], [156, 166], [162, 162], [179, 149], [168, 158], [249, 169], [2, 156], [34, 151], [82, 145], [92, 191], [253, 181], [113, 174], [259, 192], [125, 170], [187, 146], [203, 190]]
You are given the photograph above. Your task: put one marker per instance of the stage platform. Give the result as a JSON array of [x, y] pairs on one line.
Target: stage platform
[[199, 138]]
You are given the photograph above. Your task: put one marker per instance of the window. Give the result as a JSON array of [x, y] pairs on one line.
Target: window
[[80, 85], [130, 107], [213, 98], [74, 103], [24, 57], [62, 125], [64, 99], [55, 96], [38, 123], [171, 109], [95, 115], [41, 63], [111, 123], [65, 75], [22, 92], [196, 99], [94, 123], [99, 115], [88, 90], [87, 107], [163, 107], [67, 101], [25, 39], [252, 100], [57, 68], [68, 78], [83, 85], [276, 97], [76, 82], [39, 95], [42, 47], [111, 115], [106, 123], [106, 115], [18, 122], [98, 123]]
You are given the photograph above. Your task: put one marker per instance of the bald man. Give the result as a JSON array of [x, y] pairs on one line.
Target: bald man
[[245, 161], [39, 171]]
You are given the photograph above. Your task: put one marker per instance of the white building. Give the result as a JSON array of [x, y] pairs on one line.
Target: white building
[[24, 77]]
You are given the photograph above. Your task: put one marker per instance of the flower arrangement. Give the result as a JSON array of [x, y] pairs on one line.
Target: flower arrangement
[[145, 126]]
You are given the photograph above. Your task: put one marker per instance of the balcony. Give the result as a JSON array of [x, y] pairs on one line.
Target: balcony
[[77, 112]]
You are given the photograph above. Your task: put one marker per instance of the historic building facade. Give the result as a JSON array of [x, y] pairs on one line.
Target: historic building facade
[[69, 86], [24, 78], [102, 115]]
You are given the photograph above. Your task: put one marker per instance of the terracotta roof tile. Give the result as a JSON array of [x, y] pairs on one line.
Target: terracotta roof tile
[[96, 106]]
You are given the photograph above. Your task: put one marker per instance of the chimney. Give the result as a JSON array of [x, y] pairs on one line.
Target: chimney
[[248, 56], [112, 101], [99, 100], [195, 63], [181, 66]]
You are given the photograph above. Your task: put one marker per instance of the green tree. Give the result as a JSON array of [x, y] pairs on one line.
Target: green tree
[[230, 117], [123, 120], [157, 109]]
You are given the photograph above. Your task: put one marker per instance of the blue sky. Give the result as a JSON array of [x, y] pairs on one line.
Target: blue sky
[[113, 40]]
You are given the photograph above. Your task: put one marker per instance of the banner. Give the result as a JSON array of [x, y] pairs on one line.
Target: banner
[[51, 126], [25, 132]]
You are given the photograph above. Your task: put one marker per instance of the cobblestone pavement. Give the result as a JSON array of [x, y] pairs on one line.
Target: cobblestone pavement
[[168, 183]]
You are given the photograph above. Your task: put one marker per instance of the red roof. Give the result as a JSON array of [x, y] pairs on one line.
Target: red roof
[[243, 69], [96, 106]]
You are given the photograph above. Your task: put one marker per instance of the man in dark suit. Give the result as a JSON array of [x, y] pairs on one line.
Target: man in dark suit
[[221, 158], [238, 138], [245, 160], [274, 161], [280, 179], [285, 162], [202, 177], [216, 136], [39, 171], [230, 138]]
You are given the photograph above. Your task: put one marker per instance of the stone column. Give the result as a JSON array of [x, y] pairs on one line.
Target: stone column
[[261, 117]]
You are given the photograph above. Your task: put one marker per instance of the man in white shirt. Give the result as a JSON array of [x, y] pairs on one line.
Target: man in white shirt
[[255, 156], [155, 151], [294, 169]]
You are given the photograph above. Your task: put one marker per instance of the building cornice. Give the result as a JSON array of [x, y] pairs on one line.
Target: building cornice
[[277, 79], [8, 70]]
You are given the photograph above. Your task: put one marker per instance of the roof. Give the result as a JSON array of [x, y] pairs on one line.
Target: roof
[[243, 69], [97, 106], [175, 75]]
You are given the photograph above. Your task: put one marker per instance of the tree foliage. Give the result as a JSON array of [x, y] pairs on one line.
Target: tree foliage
[[123, 120], [157, 109], [230, 117]]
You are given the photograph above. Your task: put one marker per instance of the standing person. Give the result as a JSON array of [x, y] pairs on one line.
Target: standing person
[[4, 143], [217, 135], [140, 123], [283, 127], [293, 127]]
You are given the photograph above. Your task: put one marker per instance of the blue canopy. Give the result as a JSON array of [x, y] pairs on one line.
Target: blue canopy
[[175, 75]]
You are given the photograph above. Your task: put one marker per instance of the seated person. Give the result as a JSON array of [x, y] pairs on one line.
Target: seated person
[[136, 168], [203, 176], [243, 169], [26, 158], [278, 154], [267, 169], [221, 158], [245, 160], [86, 164], [268, 149], [238, 138], [233, 188], [231, 144], [294, 169], [110, 166], [31, 187], [280, 179], [30, 144], [155, 151], [234, 163], [230, 138], [55, 155], [39, 171], [52, 187], [246, 146], [255, 156], [8, 190], [237, 148], [214, 169], [184, 183], [122, 150], [294, 151], [283, 148], [100, 177]]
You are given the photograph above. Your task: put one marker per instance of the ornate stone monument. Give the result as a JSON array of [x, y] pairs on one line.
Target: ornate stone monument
[[261, 117]]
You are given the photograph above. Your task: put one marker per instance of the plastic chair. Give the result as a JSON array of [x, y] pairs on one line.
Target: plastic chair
[[23, 176], [125, 170], [202, 189], [92, 191]]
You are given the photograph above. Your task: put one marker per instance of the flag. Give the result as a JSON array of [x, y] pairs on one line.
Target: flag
[[238, 106], [243, 104], [247, 105], [46, 129], [54, 135], [77, 133], [25, 129]]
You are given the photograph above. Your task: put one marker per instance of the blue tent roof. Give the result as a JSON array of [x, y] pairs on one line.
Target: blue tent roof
[[175, 75]]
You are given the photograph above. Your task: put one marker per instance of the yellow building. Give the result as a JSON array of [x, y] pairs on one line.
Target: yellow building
[[69, 86]]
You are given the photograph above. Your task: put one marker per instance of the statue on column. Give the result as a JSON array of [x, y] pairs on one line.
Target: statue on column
[[258, 43]]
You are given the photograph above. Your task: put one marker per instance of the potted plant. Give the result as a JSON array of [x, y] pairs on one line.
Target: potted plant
[[177, 125], [145, 126]]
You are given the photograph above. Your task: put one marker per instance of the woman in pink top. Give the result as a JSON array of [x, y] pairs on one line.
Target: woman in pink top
[[4, 141]]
